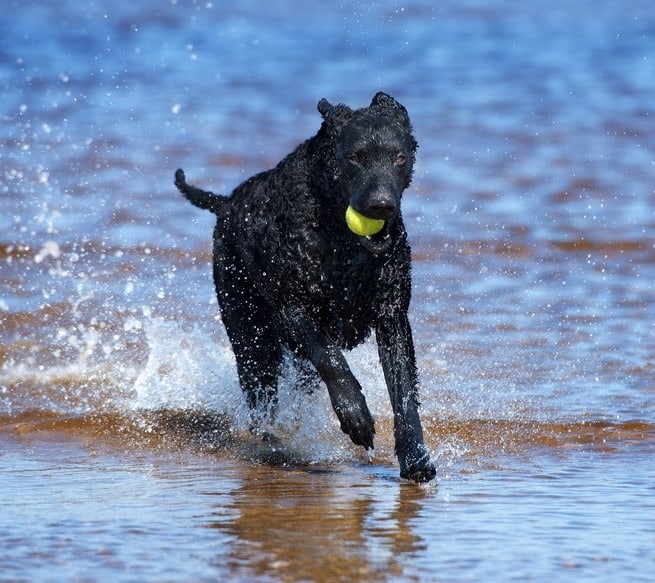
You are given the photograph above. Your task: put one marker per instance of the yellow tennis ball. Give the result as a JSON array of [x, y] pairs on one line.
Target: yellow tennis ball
[[361, 225]]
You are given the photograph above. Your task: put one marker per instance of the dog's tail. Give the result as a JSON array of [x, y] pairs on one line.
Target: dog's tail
[[201, 198]]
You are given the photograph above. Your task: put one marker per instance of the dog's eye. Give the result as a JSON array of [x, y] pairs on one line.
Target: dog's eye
[[400, 159]]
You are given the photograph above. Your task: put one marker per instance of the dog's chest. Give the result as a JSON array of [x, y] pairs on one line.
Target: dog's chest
[[349, 289]]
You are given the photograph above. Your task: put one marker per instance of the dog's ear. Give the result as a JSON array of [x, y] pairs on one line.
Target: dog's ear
[[381, 99], [387, 103], [335, 116], [324, 107]]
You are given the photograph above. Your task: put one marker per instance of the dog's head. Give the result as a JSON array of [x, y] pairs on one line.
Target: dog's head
[[375, 152]]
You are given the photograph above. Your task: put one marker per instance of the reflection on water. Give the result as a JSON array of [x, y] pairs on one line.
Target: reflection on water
[[110, 495], [124, 450], [281, 519]]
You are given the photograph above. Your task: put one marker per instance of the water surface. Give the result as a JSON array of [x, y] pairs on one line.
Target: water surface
[[124, 451]]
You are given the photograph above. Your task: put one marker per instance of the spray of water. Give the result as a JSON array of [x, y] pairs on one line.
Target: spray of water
[[187, 370]]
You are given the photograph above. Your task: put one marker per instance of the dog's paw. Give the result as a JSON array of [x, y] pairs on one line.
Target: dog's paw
[[418, 468], [356, 420]]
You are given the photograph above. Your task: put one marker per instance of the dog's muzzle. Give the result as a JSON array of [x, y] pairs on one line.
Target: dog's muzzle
[[380, 242]]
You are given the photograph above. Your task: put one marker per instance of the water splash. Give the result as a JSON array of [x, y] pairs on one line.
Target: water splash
[[187, 370]]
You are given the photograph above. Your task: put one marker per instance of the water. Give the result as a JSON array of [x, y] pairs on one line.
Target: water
[[123, 449]]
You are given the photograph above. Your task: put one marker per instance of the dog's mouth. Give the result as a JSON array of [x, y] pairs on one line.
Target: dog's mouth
[[373, 227], [380, 242]]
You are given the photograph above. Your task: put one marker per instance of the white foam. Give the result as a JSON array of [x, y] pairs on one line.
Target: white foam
[[187, 369], [49, 249]]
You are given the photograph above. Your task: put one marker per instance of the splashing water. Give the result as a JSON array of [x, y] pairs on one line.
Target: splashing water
[[187, 370]]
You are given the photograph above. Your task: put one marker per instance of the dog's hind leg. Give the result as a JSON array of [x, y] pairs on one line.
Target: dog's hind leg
[[256, 344], [258, 355]]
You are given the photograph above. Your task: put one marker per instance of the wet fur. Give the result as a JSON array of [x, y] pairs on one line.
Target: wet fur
[[289, 273]]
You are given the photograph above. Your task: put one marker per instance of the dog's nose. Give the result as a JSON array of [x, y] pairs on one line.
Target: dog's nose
[[381, 206]]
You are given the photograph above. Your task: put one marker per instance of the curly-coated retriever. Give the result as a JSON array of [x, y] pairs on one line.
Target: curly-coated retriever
[[291, 271]]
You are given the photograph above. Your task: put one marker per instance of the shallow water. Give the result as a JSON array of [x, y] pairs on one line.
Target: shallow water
[[124, 451]]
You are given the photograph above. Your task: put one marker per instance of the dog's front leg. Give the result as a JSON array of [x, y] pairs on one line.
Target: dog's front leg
[[396, 350], [345, 391]]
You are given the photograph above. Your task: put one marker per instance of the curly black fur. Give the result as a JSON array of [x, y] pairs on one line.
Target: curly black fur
[[289, 272]]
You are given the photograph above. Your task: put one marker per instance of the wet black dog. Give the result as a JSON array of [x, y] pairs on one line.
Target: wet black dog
[[289, 271]]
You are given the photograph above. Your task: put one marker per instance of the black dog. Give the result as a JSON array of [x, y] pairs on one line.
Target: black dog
[[289, 271]]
